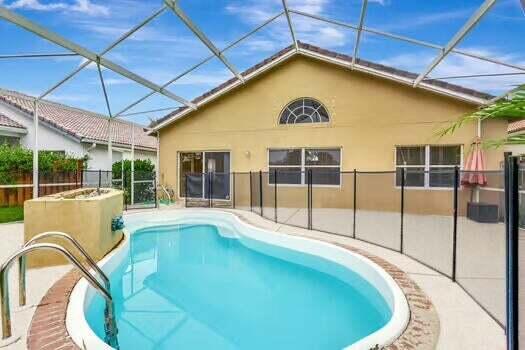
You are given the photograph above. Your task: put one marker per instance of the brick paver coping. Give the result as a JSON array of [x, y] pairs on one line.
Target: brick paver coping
[[48, 327]]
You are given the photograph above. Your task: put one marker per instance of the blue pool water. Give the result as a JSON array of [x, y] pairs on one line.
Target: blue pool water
[[188, 287]]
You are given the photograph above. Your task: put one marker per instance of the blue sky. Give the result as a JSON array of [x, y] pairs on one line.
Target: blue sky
[[165, 47]]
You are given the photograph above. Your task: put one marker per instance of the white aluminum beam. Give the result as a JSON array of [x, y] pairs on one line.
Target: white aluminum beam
[[110, 140], [359, 31], [172, 4], [106, 50], [467, 27], [104, 89], [488, 59], [67, 44], [37, 55], [290, 25], [149, 111], [191, 69], [35, 149], [476, 76]]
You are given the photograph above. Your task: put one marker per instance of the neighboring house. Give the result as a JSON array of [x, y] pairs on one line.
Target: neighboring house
[[516, 128], [71, 130], [308, 110]]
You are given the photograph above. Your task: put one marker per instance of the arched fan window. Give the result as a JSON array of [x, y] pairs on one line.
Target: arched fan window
[[304, 110]]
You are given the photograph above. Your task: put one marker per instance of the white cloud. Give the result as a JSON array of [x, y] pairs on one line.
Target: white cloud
[[88, 8], [37, 5], [314, 7], [380, 2], [85, 7], [309, 30]]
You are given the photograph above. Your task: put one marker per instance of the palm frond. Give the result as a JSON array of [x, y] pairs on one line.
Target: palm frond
[[512, 107]]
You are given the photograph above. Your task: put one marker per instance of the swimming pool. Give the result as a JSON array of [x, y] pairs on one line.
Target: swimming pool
[[201, 279]]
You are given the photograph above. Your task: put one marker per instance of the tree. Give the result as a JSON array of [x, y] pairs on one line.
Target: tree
[[512, 107]]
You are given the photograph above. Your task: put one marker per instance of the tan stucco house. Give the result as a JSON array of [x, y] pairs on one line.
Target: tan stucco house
[[310, 109]]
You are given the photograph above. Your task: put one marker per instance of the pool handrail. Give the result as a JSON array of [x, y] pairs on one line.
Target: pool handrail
[[57, 234], [110, 322]]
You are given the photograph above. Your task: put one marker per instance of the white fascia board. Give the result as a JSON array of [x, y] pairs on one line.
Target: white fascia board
[[12, 131], [118, 145]]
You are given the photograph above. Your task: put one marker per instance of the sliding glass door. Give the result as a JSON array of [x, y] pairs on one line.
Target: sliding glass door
[[204, 174]]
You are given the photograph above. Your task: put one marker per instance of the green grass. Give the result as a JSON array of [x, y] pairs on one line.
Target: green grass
[[10, 214]]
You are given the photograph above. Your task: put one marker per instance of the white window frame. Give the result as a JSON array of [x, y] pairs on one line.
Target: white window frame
[[427, 167], [303, 165]]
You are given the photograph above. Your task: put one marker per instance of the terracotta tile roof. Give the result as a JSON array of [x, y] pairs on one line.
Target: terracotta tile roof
[[5, 121], [332, 54], [81, 124], [516, 126]]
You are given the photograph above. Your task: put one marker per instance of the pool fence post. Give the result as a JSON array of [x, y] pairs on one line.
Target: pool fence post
[[355, 202], [233, 190], [512, 231], [274, 194], [185, 190], [402, 209], [260, 192], [309, 179], [251, 202], [210, 189], [155, 189], [455, 227]]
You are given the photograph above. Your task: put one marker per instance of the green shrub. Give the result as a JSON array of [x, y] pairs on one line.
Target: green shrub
[[144, 170], [16, 160]]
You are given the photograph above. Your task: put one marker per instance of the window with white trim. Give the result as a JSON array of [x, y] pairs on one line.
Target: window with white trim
[[428, 166], [304, 110], [292, 165]]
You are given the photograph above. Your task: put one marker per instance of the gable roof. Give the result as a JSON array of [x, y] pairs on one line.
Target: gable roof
[[10, 123], [83, 125], [398, 75]]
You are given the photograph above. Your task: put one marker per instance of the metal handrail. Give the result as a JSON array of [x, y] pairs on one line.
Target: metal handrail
[[110, 323], [22, 262]]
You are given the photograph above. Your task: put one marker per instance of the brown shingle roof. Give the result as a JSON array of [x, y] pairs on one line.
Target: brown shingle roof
[[335, 55], [81, 124], [5, 121]]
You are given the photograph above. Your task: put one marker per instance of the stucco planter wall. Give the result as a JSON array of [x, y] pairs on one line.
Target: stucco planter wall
[[87, 219]]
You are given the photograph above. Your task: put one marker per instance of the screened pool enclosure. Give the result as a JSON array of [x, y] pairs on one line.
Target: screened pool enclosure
[[141, 60]]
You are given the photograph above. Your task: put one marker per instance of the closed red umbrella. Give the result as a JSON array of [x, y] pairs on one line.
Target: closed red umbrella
[[473, 174]]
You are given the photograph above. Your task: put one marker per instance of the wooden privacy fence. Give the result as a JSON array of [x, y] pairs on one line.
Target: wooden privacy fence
[[16, 188]]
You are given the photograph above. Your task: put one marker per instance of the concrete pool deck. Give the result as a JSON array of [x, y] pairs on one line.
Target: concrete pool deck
[[463, 324]]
